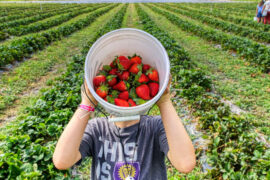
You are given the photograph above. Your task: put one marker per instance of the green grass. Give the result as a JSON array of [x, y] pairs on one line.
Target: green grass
[[233, 78], [13, 83]]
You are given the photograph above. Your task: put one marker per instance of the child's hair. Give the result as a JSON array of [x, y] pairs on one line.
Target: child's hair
[[261, 2]]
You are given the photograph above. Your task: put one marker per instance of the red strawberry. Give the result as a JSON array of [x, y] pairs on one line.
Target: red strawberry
[[152, 74], [143, 79], [121, 102], [136, 59], [98, 80], [121, 86], [102, 91], [143, 92], [111, 80], [135, 68], [146, 67], [131, 103], [124, 75], [113, 71], [112, 64], [123, 95], [153, 87], [123, 63]]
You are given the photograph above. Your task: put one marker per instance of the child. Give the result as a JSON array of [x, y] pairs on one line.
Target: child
[[259, 11], [128, 150]]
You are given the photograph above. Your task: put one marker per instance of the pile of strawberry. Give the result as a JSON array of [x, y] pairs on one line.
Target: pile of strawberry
[[127, 81]]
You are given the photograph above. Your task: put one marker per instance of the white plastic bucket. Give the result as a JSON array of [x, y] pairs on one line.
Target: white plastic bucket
[[127, 41]]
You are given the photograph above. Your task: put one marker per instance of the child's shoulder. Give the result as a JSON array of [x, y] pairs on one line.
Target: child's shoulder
[[151, 120]]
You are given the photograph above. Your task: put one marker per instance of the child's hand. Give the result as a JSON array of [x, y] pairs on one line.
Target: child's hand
[[85, 99], [166, 96]]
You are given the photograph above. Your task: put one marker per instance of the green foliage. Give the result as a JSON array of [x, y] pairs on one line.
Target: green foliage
[[30, 17], [38, 26], [3, 35], [27, 153], [256, 53], [223, 25], [234, 152], [22, 48]]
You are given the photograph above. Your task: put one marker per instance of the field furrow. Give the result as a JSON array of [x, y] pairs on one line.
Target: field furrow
[[48, 23], [29, 44], [220, 68], [36, 143], [223, 25], [255, 53], [229, 133], [9, 20]]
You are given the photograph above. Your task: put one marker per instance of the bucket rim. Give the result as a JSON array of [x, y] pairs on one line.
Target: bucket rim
[[149, 102]]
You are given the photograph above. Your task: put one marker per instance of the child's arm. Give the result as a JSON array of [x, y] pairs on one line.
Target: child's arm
[[67, 153], [181, 152]]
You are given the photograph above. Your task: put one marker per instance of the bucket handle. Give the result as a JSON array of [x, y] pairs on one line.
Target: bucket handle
[[125, 118]]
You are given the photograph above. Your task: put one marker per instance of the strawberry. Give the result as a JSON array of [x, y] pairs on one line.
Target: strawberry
[[123, 63], [121, 102], [111, 80], [131, 102], [136, 59], [152, 74], [124, 76], [98, 80], [143, 92], [135, 68], [153, 87], [146, 67], [143, 79], [102, 91], [113, 64], [121, 86], [123, 95], [113, 71]]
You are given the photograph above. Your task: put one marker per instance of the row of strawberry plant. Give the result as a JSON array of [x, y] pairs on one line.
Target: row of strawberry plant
[[227, 6], [235, 19], [3, 35], [244, 13], [31, 19], [6, 11], [35, 27], [26, 14], [28, 151], [234, 152], [223, 25], [22, 48], [230, 11], [254, 52]]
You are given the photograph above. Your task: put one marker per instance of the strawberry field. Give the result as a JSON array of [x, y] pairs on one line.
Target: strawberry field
[[220, 67]]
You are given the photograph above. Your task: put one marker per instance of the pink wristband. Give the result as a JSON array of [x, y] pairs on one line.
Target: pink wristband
[[87, 108]]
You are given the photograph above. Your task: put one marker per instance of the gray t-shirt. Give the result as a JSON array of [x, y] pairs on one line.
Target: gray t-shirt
[[146, 162]]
